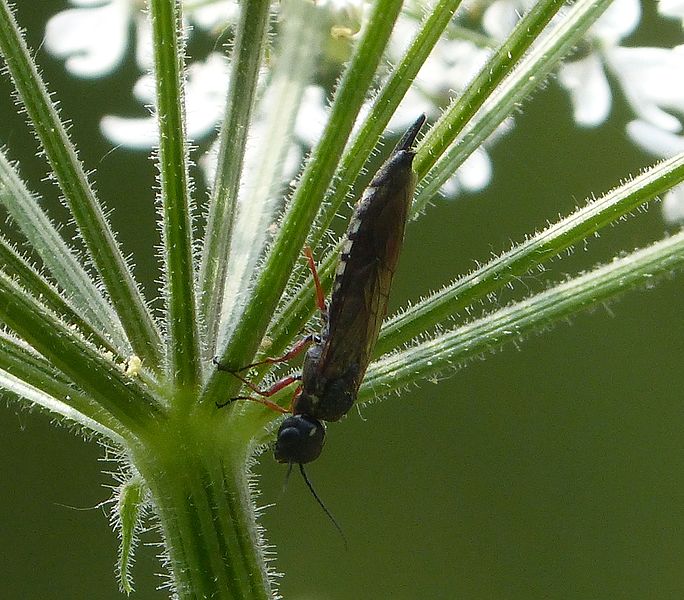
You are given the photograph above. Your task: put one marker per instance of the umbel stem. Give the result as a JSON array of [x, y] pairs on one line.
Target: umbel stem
[[200, 489]]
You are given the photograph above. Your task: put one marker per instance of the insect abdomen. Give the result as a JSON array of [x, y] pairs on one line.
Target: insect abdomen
[[367, 263]]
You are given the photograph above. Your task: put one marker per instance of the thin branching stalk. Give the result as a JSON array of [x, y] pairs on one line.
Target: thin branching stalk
[[183, 344], [499, 65], [20, 392], [384, 106], [248, 51], [31, 280], [452, 349], [85, 208], [57, 256], [531, 254], [535, 67], [302, 31], [20, 362]]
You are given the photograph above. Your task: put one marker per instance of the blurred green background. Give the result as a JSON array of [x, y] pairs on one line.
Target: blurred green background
[[554, 469]]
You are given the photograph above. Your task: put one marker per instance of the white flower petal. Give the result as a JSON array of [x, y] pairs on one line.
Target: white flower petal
[[465, 60], [620, 20], [476, 171], [589, 90], [473, 175], [87, 2], [312, 115], [205, 94], [215, 15], [450, 188], [450, 68], [500, 18], [293, 162], [652, 80], [141, 134], [144, 89], [144, 51], [654, 140], [663, 144], [208, 163], [415, 103], [673, 206], [404, 31], [92, 40], [671, 8]]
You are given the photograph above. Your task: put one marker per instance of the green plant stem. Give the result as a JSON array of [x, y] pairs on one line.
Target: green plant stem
[[452, 349], [485, 82], [248, 50], [200, 491], [65, 399], [25, 210], [303, 29], [509, 96], [28, 277], [87, 212], [124, 398], [183, 364], [532, 253], [20, 393]]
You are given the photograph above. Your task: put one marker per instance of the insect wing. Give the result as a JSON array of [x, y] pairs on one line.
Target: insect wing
[[367, 264]]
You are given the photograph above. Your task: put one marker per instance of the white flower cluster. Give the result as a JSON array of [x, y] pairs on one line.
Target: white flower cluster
[[650, 80], [93, 38]]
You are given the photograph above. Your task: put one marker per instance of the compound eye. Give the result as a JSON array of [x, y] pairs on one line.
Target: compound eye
[[300, 440]]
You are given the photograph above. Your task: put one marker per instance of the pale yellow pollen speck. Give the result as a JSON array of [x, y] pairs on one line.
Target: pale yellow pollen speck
[[339, 32], [133, 365]]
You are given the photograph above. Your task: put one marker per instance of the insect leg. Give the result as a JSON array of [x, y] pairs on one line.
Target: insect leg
[[300, 346], [276, 387], [265, 401], [293, 402], [320, 296], [264, 395]]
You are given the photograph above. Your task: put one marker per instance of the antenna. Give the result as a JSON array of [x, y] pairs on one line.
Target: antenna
[[287, 478], [320, 502]]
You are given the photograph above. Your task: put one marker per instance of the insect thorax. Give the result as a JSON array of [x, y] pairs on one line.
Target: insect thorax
[[327, 398]]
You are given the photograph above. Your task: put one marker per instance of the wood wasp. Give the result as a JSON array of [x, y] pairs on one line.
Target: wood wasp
[[336, 360]]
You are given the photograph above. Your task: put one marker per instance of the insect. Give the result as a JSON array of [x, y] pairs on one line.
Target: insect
[[337, 359]]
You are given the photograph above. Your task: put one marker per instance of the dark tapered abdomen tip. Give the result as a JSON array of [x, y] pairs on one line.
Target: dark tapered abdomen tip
[[407, 140]]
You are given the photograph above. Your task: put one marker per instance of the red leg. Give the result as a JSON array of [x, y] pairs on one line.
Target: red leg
[[298, 348], [295, 396], [267, 403], [265, 394], [276, 387], [320, 297]]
